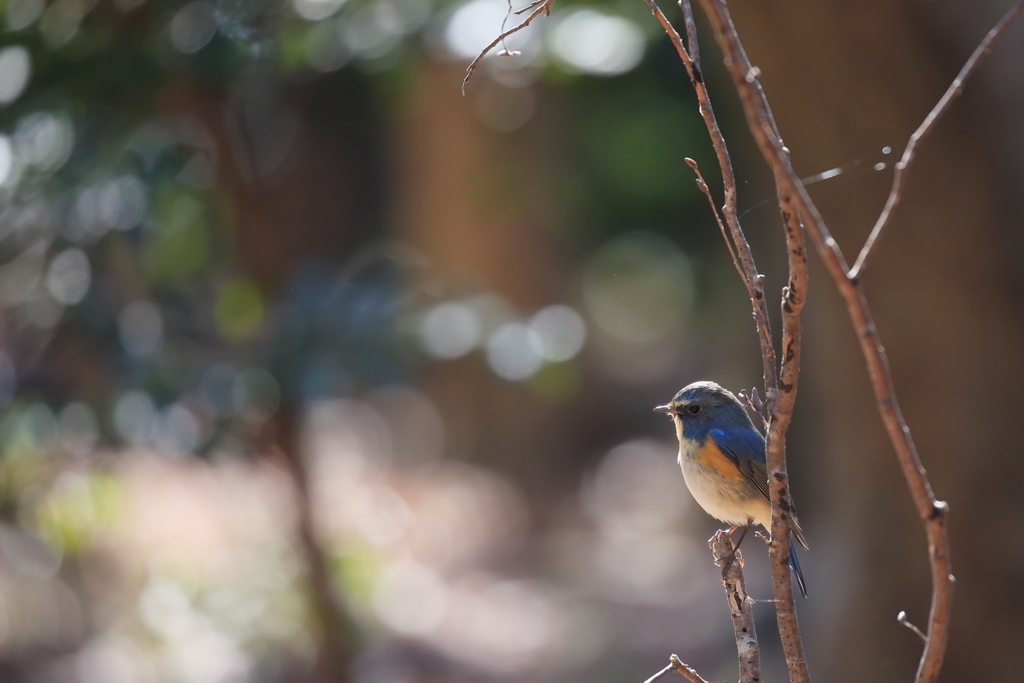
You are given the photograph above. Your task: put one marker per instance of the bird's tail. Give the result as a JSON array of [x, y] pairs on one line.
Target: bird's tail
[[795, 564]]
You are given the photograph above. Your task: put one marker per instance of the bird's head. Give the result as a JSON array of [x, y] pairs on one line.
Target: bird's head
[[702, 405]]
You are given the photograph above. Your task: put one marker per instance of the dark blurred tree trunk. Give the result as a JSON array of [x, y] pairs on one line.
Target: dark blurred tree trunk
[[844, 80], [336, 634]]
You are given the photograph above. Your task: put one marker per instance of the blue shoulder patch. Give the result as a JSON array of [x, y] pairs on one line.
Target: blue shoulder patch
[[739, 443]]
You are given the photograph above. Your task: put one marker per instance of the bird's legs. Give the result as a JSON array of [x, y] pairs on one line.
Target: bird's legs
[[731, 530], [750, 523], [736, 546]]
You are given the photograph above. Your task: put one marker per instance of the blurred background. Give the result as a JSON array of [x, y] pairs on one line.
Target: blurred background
[[314, 369]]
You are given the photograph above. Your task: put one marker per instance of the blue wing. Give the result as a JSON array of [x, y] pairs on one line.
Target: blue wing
[[745, 448]]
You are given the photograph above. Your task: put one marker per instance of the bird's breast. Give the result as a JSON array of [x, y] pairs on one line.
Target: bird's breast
[[718, 486]]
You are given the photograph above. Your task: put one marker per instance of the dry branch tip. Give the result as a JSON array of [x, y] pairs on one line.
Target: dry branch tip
[[540, 5]]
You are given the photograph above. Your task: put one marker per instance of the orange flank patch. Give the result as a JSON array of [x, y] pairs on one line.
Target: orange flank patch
[[710, 456]]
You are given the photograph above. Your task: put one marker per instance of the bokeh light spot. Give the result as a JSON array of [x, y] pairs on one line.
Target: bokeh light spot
[[325, 49], [638, 288], [315, 10], [134, 417], [598, 43], [44, 140], [476, 23], [15, 70], [411, 598], [512, 352], [69, 276], [61, 20], [193, 27], [561, 332], [450, 330], [6, 158], [21, 14]]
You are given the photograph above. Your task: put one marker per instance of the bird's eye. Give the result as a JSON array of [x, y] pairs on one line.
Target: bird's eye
[[693, 410]]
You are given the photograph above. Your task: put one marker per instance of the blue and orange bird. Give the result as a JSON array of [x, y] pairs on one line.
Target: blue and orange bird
[[723, 460]]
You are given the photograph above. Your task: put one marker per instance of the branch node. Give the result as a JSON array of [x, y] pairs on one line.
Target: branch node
[[685, 670], [902, 618], [940, 508]]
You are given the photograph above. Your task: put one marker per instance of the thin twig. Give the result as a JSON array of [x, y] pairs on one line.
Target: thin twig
[[751, 278], [754, 403], [933, 513], [691, 33], [677, 665], [902, 618], [728, 557], [661, 674], [544, 7], [529, 7], [703, 187], [952, 92]]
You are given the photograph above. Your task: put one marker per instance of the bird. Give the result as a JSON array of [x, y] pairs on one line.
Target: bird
[[722, 456]]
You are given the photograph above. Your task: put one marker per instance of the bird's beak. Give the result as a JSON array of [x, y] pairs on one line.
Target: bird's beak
[[666, 409]]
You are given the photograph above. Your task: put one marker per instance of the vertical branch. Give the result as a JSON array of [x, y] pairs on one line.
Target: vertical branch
[[728, 557], [780, 389], [779, 419]]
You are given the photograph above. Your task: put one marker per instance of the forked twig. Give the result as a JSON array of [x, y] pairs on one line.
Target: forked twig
[[954, 90], [753, 401], [542, 6]]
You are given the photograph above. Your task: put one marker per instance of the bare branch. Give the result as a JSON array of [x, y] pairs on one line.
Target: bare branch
[[728, 557], [933, 513], [952, 92], [544, 6]]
